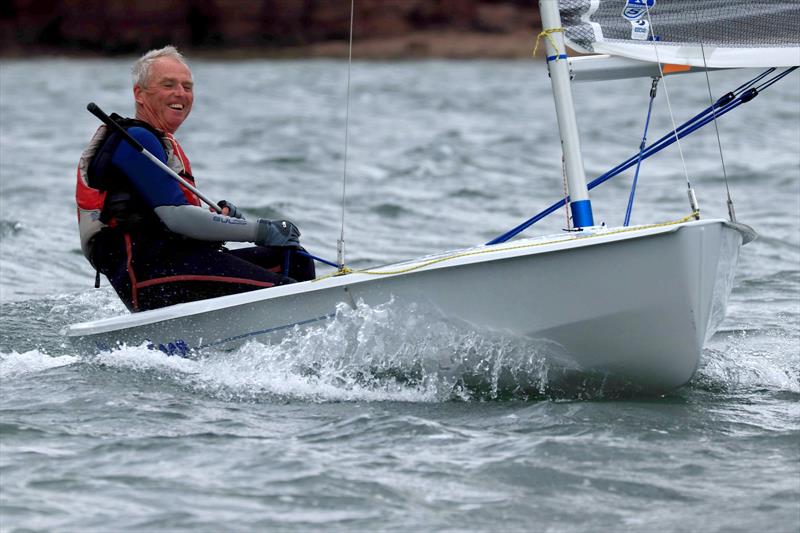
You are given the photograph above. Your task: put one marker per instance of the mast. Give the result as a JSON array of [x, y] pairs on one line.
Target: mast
[[580, 205]]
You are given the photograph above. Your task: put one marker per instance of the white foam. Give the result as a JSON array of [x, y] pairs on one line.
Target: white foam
[[16, 364], [764, 360], [90, 304], [389, 352]]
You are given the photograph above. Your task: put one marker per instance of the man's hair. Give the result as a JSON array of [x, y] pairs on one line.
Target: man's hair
[[141, 68]]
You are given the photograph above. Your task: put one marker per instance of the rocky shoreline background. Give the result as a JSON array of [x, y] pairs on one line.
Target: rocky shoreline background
[[383, 29]]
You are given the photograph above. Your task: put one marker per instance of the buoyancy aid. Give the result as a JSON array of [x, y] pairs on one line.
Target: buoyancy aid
[[106, 199]]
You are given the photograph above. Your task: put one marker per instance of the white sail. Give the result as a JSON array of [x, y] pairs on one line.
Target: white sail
[[700, 33]]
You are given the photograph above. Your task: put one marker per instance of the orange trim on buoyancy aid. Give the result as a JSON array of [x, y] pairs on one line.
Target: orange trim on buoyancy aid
[[190, 196], [90, 199], [187, 169], [87, 198]]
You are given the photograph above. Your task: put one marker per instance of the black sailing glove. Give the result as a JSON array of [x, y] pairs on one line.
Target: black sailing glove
[[281, 233], [233, 210]]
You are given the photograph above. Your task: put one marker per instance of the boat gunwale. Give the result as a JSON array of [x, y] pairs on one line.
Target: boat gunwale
[[463, 257]]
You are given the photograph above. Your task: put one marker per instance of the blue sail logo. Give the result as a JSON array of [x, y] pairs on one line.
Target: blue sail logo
[[636, 9]]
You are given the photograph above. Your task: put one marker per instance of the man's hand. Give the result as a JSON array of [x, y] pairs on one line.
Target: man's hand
[[281, 233], [230, 210]]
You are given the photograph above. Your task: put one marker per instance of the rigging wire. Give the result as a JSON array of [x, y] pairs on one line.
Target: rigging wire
[[690, 191], [776, 78], [340, 242], [642, 146], [729, 101], [755, 80], [731, 211]]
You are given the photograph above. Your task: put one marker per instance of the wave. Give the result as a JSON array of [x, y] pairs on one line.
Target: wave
[[16, 364], [751, 360], [10, 228], [383, 353]]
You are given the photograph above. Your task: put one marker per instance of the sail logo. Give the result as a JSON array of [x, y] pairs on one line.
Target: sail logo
[[640, 30], [636, 9]]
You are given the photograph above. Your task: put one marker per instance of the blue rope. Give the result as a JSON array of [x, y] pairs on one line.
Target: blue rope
[[315, 258], [683, 130], [641, 149], [723, 105]]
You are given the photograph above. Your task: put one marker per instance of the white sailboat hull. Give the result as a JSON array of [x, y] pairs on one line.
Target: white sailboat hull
[[634, 304]]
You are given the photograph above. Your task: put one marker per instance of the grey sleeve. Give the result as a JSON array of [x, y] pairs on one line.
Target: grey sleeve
[[198, 223]]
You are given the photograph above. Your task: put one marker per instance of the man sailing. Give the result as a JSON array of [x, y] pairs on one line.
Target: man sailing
[[146, 232]]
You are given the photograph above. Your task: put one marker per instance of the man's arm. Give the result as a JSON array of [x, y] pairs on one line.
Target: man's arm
[[163, 194]]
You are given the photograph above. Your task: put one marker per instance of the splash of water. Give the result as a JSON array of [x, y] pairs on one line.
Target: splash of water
[[398, 352], [387, 352], [16, 364], [746, 361]]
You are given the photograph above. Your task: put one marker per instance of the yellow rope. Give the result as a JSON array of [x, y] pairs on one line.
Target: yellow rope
[[341, 272], [346, 270], [547, 34]]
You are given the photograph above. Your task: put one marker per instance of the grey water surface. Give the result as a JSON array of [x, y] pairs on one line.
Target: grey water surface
[[340, 427]]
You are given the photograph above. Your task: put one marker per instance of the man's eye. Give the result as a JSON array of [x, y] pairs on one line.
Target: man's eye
[[167, 84]]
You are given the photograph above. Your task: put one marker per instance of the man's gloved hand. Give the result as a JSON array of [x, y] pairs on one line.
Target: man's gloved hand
[[280, 233], [233, 211]]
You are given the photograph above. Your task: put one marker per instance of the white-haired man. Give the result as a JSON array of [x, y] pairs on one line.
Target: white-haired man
[[147, 233]]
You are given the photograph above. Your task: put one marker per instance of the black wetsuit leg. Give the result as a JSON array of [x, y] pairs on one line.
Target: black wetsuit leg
[[149, 273], [301, 267]]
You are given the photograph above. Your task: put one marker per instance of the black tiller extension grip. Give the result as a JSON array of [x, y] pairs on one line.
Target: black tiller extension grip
[[96, 111]]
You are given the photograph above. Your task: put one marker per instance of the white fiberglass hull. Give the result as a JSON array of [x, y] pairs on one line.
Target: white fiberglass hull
[[635, 304]]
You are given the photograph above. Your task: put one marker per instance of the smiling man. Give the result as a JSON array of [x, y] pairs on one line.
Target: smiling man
[[147, 233], [163, 90]]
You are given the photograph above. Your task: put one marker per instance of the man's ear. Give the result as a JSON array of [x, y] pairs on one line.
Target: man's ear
[[137, 94]]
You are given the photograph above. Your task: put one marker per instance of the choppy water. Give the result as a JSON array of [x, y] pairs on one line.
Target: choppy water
[[345, 426]]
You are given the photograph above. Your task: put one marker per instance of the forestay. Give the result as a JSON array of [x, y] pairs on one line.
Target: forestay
[[700, 33]]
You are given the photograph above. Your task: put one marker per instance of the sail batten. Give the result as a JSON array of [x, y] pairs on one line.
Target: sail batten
[[700, 33]]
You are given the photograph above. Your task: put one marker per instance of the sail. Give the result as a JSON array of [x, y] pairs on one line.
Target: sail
[[700, 33]]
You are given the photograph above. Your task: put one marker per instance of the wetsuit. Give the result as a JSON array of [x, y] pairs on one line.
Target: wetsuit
[[152, 240]]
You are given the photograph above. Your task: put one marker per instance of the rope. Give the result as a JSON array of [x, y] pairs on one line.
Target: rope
[[642, 146], [340, 242], [547, 34], [458, 255], [755, 80], [343, 272], [726, 103], [776, 78]]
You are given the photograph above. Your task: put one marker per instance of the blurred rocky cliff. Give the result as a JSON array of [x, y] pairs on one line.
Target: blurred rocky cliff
[[382, 28]]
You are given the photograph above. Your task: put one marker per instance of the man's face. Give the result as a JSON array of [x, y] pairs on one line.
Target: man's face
[[167, 100]]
